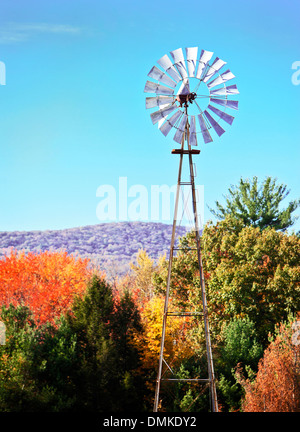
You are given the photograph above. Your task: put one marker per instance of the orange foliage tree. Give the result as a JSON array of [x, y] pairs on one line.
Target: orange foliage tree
[[45, 282], [277, 384]]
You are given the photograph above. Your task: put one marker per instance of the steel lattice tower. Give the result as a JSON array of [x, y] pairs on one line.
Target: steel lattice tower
[[210, 380]]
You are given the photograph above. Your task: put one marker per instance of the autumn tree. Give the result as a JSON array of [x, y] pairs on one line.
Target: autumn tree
[[177, 348], [46, 282], [252, 273], [258, 205], [143, 271], [249, 273], [276, 387], [252, 283]]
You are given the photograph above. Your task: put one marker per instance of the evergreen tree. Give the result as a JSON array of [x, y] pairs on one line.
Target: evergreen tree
[[239, 347], [258, 205], [36, 364], [104, 379]]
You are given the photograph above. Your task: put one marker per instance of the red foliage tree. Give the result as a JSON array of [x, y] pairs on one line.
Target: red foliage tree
[[45, 282], [277, 384]]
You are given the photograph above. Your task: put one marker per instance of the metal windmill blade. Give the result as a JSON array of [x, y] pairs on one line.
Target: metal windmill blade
[[152, 102], [204, 129], [191, 56], [181, 129], [232, 89], [167, 65], [227, 103], [224, 77], [203, 62], [170, 122], [162, 77], [152, 87], [162, 113], [214, 68], [173, 94], [192, 131], [179, 62]]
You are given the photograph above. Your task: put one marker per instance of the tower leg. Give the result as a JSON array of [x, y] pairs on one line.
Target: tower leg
[[210, 365], [159, 375]]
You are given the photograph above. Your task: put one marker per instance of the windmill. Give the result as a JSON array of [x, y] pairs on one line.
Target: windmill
[[189, 89]]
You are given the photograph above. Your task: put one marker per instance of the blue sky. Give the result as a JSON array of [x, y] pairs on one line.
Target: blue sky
[[73, 113]]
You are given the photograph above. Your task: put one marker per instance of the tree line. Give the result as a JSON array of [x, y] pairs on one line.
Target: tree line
[[75, 342]]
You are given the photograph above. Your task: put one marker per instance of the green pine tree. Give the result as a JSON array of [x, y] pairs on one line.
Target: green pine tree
[[258, 205], [105, 378]]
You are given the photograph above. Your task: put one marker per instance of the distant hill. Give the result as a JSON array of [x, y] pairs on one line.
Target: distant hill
[[111, 245]]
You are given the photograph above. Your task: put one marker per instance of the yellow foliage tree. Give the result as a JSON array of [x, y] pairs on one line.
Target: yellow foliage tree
[[177, 346], [143, 272]]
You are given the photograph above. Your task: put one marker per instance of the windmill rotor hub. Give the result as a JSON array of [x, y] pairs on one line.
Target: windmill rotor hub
[[186, 98]]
